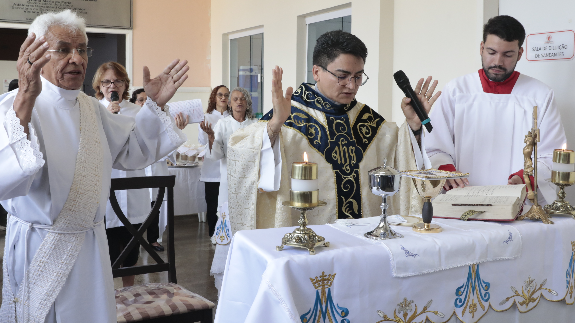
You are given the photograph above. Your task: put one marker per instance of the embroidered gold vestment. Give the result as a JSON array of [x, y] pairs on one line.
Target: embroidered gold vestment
[[346, 141]]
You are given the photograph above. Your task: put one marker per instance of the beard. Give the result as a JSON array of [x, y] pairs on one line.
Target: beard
[[497, 78]]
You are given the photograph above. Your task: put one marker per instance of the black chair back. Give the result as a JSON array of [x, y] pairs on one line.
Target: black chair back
[[162, 183]]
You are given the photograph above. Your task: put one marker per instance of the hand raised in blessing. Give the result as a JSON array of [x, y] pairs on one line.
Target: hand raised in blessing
[[425, 96], [163, 87]]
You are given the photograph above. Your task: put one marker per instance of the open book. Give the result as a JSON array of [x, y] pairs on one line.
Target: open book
[[499, 202]]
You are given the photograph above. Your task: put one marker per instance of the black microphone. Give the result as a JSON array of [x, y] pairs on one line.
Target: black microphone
[[403, 83], [114, 97]]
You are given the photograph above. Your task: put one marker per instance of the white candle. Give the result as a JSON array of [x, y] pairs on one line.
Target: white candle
[[304, 184], [560, 167]]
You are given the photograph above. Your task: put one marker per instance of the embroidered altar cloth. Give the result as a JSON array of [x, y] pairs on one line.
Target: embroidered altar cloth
[[352, 281], [459, 244]]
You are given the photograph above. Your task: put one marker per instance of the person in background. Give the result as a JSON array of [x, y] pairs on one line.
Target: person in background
[[210, 173], [13, 85], [138, 97], [135, 204], [241, 116]]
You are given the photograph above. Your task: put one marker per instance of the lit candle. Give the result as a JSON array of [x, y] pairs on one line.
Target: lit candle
[[304, 183], [563, 160]]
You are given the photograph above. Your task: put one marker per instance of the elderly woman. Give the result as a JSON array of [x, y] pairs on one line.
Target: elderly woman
[[210, 173], [135, 204], [240, 108]]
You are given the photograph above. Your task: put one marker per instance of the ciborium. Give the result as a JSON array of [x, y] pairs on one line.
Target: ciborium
[[428, 184], [384, 182]]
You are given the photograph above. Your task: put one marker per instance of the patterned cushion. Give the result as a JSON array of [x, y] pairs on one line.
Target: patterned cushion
[[137, 303]]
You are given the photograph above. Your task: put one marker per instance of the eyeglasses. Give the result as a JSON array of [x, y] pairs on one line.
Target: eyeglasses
[[107, 83], [344, 80], [220, 95], [65, 51]]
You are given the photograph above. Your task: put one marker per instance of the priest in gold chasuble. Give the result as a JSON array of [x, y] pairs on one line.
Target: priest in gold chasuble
[[343, 136]]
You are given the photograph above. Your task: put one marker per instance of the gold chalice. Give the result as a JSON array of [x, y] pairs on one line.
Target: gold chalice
[[428, 184]]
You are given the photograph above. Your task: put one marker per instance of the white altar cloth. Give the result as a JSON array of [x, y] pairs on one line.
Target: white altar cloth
[[189, 191], [352, 281], [462, 243]]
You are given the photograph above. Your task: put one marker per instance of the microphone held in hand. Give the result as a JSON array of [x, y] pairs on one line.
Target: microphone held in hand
[[403, 83], [115, 98]]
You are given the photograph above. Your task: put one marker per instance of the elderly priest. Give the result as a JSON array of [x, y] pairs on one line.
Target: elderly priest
[[57, 150], [344, 137]]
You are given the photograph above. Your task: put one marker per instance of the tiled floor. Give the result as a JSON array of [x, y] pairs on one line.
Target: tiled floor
[[194, 253]]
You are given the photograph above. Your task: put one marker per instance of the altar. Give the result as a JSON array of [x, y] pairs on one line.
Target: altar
[[355, 279]]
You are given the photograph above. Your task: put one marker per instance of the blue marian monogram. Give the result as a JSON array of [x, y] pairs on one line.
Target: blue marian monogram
[[324, 309]]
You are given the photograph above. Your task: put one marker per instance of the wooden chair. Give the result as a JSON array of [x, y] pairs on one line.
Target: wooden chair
[[154, 302]]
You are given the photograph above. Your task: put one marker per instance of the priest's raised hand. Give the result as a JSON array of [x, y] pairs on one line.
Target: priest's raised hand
[[426, 97], [163, 87], [281, 104]]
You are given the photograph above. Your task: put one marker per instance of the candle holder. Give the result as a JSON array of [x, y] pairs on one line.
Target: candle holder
[[536, 212], [303, 237], [384, 182], [562, 160], [428, 184]]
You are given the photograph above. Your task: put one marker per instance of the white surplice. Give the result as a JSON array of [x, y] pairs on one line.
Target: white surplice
[[483, 134], [223, 130], [135, 204], [37, 176]]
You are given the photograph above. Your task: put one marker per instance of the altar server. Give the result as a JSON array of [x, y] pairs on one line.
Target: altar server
[[346, 138], [57, 149], [481, 120]]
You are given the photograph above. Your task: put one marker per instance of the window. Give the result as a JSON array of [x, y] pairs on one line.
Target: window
[[246, 66], [319, 25]]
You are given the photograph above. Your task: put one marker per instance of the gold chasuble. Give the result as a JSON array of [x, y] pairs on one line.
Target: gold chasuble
[[346, 141]]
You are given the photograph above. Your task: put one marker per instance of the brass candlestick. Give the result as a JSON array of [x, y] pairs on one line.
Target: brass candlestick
[[303, 237], [530, 168], [562, 160]]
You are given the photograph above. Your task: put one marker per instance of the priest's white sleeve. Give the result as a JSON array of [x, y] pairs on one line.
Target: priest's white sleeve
[[421, 158], [20, 158], [270, 164], [139, 142]]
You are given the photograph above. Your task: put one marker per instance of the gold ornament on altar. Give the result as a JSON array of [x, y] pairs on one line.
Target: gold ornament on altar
[[304, 196], [530, 168], [562, 175]]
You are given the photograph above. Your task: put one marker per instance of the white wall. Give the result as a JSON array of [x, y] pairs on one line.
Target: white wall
[[546, 16]]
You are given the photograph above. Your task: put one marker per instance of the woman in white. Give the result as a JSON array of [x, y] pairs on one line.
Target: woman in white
[[210, 173], [241, 117], [135, 204]]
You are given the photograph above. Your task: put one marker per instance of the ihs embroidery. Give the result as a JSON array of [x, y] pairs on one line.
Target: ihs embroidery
[[324, 309]]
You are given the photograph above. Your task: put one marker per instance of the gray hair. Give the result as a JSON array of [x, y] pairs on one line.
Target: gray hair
[[67, 18], [249, 111]]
